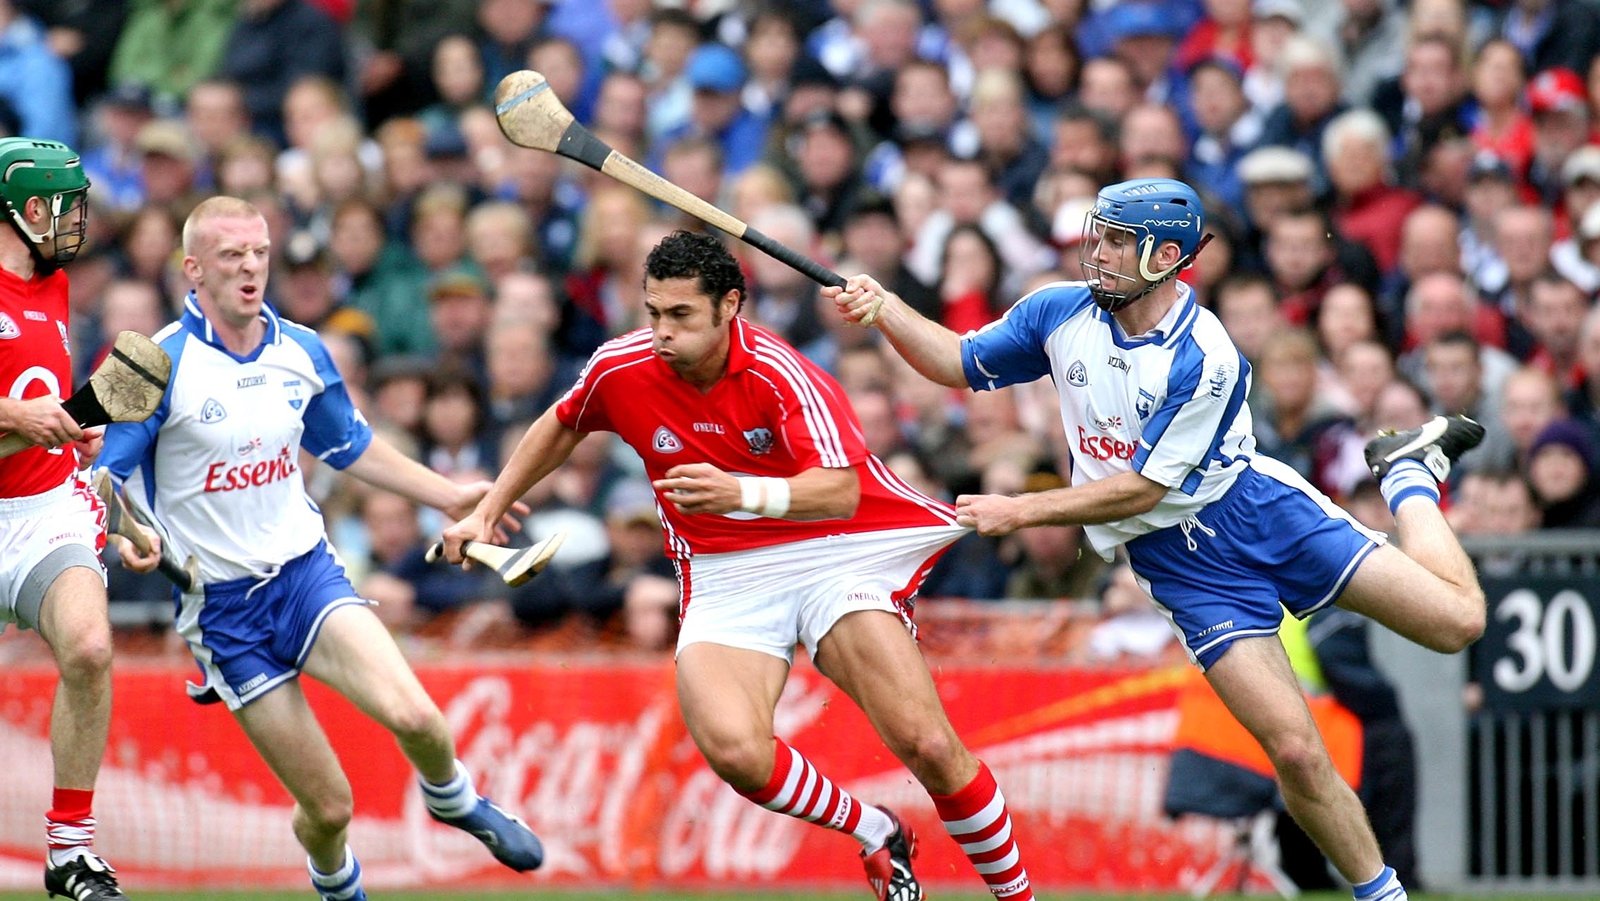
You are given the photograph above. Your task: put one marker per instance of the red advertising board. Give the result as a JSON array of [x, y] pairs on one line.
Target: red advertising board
[[594, 756]]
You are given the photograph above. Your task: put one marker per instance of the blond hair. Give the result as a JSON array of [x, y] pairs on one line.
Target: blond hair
[[219, 207]]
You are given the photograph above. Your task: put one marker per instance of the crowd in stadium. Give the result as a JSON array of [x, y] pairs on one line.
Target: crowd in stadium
[[1404, 198]]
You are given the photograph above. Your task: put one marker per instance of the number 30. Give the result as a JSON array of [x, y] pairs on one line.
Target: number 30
[[1540, 639]]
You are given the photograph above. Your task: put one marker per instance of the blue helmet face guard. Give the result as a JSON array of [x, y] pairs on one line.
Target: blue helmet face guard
[[1125, 231]]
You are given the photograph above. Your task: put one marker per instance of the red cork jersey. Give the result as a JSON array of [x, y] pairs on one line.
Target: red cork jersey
[[35, 360], [773, 413]]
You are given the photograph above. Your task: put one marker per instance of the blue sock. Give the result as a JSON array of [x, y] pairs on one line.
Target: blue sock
[[1383, 887], [1407, 479], [343, 885]]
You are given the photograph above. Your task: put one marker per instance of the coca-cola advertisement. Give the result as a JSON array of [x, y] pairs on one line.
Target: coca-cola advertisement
[[595, 757]]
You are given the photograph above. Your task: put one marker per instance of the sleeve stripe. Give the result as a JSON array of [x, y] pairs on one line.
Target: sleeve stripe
[[612, 349], [818, 417], [1183, 380], [889, 480], [589, 394]]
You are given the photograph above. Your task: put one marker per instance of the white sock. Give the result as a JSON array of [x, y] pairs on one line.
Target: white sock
[[1406, 480], [60, 857], [874, 829], [454, 798], [343, 883]]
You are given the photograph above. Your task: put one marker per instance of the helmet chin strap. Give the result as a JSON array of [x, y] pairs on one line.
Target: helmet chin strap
[[1112, 303]]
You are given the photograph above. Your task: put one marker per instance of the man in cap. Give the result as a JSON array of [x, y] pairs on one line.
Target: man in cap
[[1560, 108], [716, 74]]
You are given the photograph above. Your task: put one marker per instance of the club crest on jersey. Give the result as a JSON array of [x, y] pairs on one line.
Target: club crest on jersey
[[760, 441], [296, 393], [8, 327], [1077, 374], [212, 411], [1144, 404], [665, 442]]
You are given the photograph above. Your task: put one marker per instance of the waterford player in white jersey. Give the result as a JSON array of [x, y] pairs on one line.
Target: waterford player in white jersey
[[1153, 403], [218, 468]]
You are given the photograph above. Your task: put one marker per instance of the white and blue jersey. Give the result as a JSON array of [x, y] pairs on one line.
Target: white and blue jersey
[[218, 465], [218, 469], [1238, 536], [1169, 404]]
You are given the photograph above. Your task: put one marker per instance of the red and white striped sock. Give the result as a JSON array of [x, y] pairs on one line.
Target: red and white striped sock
[[976, 817], [797, 789], [69, 826]]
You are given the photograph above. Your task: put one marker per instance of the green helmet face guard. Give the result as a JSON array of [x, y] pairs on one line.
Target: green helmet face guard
[[52, 172]]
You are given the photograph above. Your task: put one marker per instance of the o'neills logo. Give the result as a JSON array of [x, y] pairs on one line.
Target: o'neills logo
[[222, 477]]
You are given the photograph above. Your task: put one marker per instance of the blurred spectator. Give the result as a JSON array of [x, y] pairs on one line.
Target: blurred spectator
[[1228, 128], [1005, 139], [1247, 305], [1144, 35], [1429, 242], [1560, 110], [1223, 34], [1529, 401], [880, 430], [1052, 562], [1456, 381], [1440, 303], [695, 165], [967, 197], [1107, 87], [1554, 316], [1297, 425], [1084, 141], [781, 298], [1400, 405], [1132, 631], [1429, 106], [459, 313], [620, 108], [1368, 207], [150, 254], [1494, 503], [1273, 24], [875, 245], [309, 294], [398, 386], [674, 34], [1310, 100], [1152, 132], [716, 76], [406, 588], [1491, 189], [1347, 316], [84, 33], [1364, 369], [35, 83], [1370, 36], [1583, 401], [113, 163], [455, 441], [1561, 469], [168, 158], [1500, 125], [969, 280], [524, 375], [273, 44], [399, 38], [457, 75], [1523, 237], [829, 172], [604, 285], [499, 238], [1571, 256], [1050, 67], [508, 29], [169, 46], [770, 53], [380, 278], [216, 116], [561, 63], [1551, 32]]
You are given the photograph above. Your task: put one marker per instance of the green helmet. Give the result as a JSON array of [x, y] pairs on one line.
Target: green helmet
[[50, 170]]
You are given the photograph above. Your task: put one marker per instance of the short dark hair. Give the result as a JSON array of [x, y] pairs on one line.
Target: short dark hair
[[686, 254]]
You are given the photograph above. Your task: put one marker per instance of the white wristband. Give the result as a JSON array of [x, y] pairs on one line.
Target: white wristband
[[777, 498], [768, 496]]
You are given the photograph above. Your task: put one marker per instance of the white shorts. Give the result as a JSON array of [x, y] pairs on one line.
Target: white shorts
[[41, 536], [770, 598]]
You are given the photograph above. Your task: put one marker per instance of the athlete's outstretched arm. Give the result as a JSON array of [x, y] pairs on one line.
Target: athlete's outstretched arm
[[930, 348], [546, 445], [1110, 499], [382, 465]]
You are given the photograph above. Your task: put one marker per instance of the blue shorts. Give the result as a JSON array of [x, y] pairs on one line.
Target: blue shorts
[[250, 635], [1271, 539]]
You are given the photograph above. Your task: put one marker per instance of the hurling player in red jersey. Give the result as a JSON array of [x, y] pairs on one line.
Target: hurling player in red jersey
[[784, 530], [52, 526]]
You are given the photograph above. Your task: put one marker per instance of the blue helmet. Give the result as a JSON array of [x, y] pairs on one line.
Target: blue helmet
[[1141, 215]]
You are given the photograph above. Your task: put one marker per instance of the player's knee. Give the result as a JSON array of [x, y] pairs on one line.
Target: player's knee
[[929, 752], [1300, 761], [330, 813], [85, 656], [417, 721], [744, 762]]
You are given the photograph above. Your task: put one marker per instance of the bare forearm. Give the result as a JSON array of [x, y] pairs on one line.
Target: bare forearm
[[823, 494], [930, 348], [546, 445], [383, 466], [1108, 500]]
